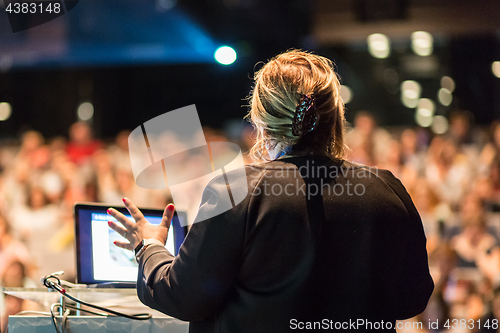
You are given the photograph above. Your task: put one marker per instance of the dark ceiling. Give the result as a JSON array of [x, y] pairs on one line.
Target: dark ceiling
[[135, 59]]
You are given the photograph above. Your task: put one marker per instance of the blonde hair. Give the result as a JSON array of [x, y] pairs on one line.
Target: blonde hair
[[279, 85]]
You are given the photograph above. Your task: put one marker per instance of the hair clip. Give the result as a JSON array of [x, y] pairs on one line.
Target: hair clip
[[306, 118]]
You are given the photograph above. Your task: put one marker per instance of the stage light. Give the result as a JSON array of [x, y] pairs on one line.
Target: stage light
[[426, 107], [448, 83], [410, 93], [346, 94], [425, 112], [440, 125], [409, 102], [379, 45], [5, 111], [411, 89], [495, 67], [421, 43], [85, 111], [423, 120], [445, 97], [225, 55]]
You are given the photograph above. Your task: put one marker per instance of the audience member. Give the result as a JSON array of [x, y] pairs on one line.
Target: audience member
[[11, 249], [15, 277], [463, 134], [448, 171], [81, 145], [33, 150], [367, 141], [475, 242]]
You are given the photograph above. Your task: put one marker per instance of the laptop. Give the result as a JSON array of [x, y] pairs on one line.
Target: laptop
[[99, 263]]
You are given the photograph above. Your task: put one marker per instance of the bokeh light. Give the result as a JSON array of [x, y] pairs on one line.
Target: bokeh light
[[426, 107], [445, 96], [423, 120], [164, 5], [440, 125], [425, 112], [85, 111], [379, 45], [422, 43], [345, 93], [448, 83], [409, 102], [495, 67], [411, 89], [5, 111], [410, 93]]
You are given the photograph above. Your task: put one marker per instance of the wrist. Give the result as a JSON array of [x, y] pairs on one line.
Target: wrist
[[150, 241], [144, 244]]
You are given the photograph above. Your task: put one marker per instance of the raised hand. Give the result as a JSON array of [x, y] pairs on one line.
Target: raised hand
[[139, 229]]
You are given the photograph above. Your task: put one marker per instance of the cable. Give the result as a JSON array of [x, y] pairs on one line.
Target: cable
[[138, 316], [72, 307], [53, 317], [54, 320], [65, 315], [56, 285]]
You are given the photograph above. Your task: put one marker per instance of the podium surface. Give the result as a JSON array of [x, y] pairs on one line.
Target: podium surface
[[122, 300], [83, 324]]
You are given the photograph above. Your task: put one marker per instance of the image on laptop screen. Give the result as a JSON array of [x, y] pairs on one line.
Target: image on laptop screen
[[98, 260]]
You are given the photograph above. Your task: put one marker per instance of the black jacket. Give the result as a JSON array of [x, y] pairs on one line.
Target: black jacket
[[316, 244]]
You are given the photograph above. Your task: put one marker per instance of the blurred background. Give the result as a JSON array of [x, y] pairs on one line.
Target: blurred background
[[421, 83]]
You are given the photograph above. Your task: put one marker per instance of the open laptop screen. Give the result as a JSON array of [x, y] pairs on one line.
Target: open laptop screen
[[98, 260]]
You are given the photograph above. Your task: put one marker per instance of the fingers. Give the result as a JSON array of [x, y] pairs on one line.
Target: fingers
[[168, 214], [134, 211], [121, 218], [120, 230], [124, 245]]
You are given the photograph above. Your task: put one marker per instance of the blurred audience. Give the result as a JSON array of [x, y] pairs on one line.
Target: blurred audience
[[453, 178]]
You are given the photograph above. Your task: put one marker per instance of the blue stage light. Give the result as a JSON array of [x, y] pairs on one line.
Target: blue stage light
[[225, 55]]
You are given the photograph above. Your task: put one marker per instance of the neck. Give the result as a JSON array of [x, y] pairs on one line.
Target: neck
[[285, 151]]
